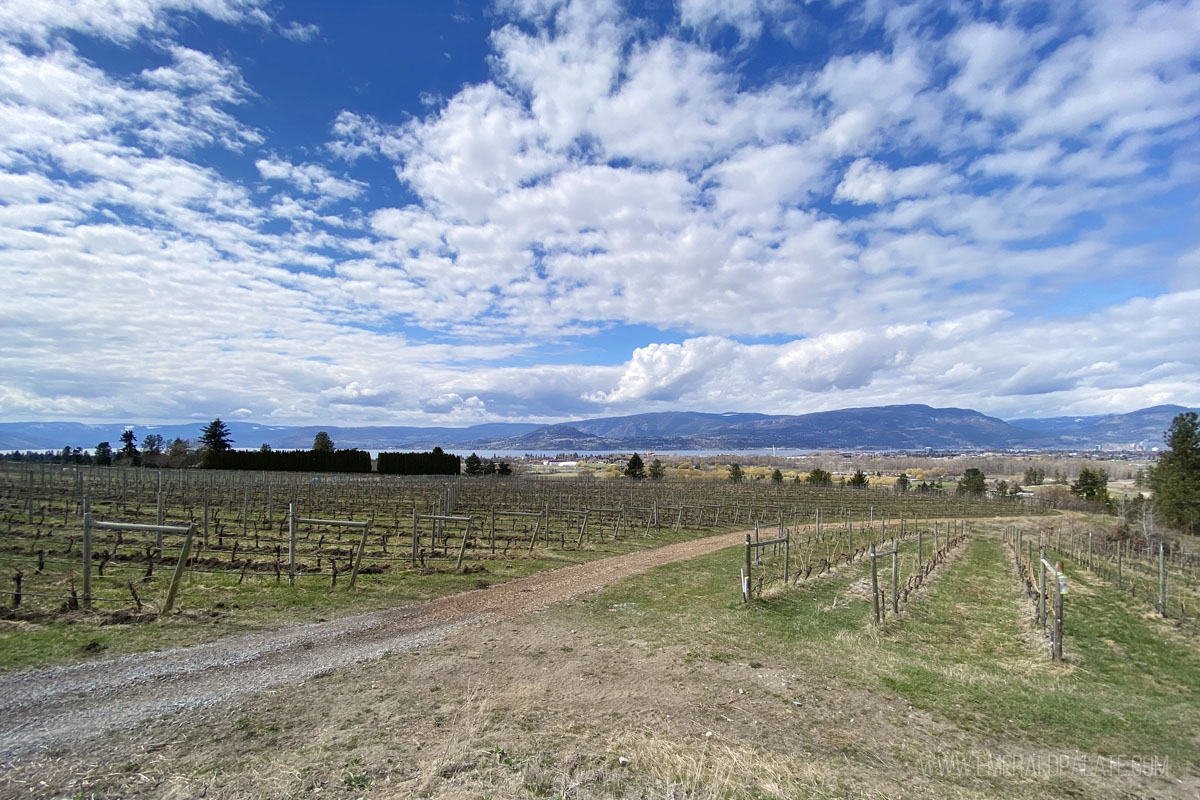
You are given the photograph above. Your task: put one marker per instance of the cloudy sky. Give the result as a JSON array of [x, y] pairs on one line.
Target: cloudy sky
[[454, 212]]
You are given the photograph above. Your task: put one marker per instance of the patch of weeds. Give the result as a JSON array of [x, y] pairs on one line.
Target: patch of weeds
[[540, 788], [503, 759], [252, 728], [354, 777]]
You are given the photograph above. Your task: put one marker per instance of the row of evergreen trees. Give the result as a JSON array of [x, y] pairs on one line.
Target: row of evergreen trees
[[351, 460], [436, 462]]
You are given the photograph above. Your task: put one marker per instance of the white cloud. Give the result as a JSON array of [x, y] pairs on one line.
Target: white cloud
[[869, 182], [310, 179], [746, 16], [901, 219], [119, 20], [299, 32]]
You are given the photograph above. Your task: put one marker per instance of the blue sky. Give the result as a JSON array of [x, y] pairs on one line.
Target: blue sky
[[458, 212]]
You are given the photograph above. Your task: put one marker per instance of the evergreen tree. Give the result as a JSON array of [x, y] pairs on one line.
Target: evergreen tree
[[819, 477], [322, 443], [129, 451], [735, 473], [214, 441], [657, 470], [859, 479], [216, 436], [1092, 485], [152, 444], [103, 455], [504, 469], [1176, 478], [973, 482], [635, 468], [473, 465], [776, 477], [903, 483]]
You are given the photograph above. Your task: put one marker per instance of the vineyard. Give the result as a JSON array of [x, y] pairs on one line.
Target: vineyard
[[828, 643], [1158, 572], [112, 539]]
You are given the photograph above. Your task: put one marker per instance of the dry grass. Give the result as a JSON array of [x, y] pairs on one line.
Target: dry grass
[[795, 696]]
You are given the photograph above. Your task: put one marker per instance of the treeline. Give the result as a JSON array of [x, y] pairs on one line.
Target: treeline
[[436, 462], [352, 460]]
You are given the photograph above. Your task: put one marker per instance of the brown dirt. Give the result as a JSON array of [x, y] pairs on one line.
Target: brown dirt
[[65, 706]]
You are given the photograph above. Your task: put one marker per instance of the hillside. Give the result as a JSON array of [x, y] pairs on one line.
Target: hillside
[[893, 427]]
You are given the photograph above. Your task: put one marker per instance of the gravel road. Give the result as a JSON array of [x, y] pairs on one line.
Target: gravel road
[[46, 709]]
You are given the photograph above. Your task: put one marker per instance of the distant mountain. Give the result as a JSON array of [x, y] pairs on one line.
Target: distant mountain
[[56, 435], [901, 427], [896, 427], [1144, 425]]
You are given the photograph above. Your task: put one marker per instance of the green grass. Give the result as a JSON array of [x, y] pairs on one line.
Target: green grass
[[214, 605], [963, 651]]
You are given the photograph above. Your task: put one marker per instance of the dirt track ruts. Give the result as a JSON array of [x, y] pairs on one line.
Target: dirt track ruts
[[63, 706]]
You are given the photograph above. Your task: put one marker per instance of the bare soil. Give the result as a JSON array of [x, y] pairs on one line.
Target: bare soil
[[49, 709]]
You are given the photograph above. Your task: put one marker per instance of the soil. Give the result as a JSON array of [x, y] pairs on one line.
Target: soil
[[49, 709]]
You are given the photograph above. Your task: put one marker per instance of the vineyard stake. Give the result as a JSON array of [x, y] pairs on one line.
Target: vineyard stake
[[180, 566], [87, 555], [895, 575], [463, 547], [747, 573], [1162, 579], [1042, 590], [362, 545], [291, 545], [874, 585]]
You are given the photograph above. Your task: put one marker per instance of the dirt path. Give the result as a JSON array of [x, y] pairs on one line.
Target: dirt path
[[58, 707]]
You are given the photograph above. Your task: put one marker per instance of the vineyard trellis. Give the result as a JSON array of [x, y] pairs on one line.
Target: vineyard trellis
[[1029, 565], [241, 530], [1155, 570]]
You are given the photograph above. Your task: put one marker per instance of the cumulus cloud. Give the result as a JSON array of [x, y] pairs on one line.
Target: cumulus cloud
[[902, 222]]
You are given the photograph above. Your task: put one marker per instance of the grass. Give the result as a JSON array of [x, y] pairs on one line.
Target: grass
[[965, 654], [214, 605], [667, 685]]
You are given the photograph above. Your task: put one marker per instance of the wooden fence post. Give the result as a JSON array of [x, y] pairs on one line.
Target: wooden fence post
[[787, 555], [895, 576], [362, 545], [1162, 579], [180, 566], [463, 547], [1042, 591], [874, 585], [1058, 625], [291, 545], [413, 559], [748, 559], [87, 554]]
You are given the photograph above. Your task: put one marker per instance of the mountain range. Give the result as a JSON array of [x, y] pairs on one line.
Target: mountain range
[[895, 427]]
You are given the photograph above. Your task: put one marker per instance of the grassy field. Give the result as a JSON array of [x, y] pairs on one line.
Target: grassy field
[[667, 686]]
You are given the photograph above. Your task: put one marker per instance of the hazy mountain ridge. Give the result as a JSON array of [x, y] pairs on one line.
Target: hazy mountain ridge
[[896, 427]]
